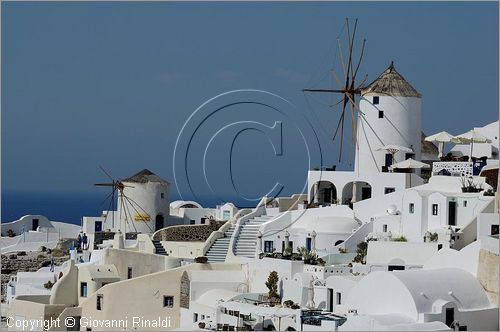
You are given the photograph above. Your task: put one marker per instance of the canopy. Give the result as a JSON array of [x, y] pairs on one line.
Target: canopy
[[442, 137], [472, 136], [410, 163], [393, 148]]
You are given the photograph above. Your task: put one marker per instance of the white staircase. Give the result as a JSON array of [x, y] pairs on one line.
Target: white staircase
[[246, 241], [218, 250]]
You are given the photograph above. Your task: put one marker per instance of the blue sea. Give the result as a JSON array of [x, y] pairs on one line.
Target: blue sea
[[70, 207]]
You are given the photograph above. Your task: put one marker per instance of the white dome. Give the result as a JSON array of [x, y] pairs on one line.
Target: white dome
[[330, 225]]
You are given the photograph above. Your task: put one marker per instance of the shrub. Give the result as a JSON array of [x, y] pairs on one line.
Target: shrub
[[310, 257], [201, 259], [489, 192], [361, 252], [48, 284], [56, 252], [402, 238], [11, 233], [21, 253]]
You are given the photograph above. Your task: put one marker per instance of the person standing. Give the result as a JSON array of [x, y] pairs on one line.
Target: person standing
[[79, 244], [85, 239]]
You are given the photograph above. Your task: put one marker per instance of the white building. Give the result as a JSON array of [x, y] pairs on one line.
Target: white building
[[448, 295]]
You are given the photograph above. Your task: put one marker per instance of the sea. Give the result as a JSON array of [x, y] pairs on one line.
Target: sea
[[71, 207]]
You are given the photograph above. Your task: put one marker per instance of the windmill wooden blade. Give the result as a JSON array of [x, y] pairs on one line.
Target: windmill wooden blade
[[360, 59], [107, 174], [347, 85], [322, 90], [105, 184]]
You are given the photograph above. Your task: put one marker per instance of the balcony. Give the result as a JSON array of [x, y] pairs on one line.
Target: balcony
[[453, 168]]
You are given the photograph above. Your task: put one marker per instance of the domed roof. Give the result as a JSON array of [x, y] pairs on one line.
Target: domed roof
[[145, 176], [391, 83], [333, 224]]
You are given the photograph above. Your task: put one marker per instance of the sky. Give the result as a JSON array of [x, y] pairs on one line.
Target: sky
[[112, 84]]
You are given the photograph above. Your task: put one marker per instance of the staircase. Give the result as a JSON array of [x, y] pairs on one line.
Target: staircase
[[159, 249], [246, 243], [218, 250]]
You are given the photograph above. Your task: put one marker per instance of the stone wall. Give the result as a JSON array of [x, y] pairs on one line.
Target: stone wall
[[487, 274], [25, 262], [189, 233]]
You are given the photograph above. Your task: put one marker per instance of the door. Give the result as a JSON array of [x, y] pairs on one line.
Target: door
[[308, 244], [388, 159], [34, 225], [330, 299], [159, 222], [452, 213], [449, 316], [98, 226], [366, 192]]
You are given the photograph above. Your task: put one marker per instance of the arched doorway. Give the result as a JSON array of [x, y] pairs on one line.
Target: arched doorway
[[324, 193], [363, 191], [159, 222]]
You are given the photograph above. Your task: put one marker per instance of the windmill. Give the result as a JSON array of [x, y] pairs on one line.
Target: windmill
[[347, 85], [124, 202]]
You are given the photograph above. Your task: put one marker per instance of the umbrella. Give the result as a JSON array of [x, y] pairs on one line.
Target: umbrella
[[393, 148], [471, 137], [442, 138], [410, 163]]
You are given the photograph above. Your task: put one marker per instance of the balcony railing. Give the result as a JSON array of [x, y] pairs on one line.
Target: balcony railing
[[452, 168]]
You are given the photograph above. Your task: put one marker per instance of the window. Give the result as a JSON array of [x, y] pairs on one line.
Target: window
[[268, 246], [384, 228], [465, 203], [388, 190], [162, 195], [380, 114], [376, 100], [192, 222], [203, 220], [83, 289], [99, 302], [434, 209], [411, 208], [494, 229], [338, 297], [129, 273], [195, 317], [168, 301]]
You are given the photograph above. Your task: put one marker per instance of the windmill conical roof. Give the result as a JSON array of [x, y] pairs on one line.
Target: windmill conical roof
[[145, 176], [391, 83]]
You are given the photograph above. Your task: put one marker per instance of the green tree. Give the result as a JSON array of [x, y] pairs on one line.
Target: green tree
[[272, 285], [361, 252]]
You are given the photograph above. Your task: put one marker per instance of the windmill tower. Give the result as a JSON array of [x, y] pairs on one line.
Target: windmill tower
[[146, 202], [143, 204], [389, 113]]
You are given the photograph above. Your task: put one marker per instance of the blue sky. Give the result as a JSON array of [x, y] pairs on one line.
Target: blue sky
[[88, 84]]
